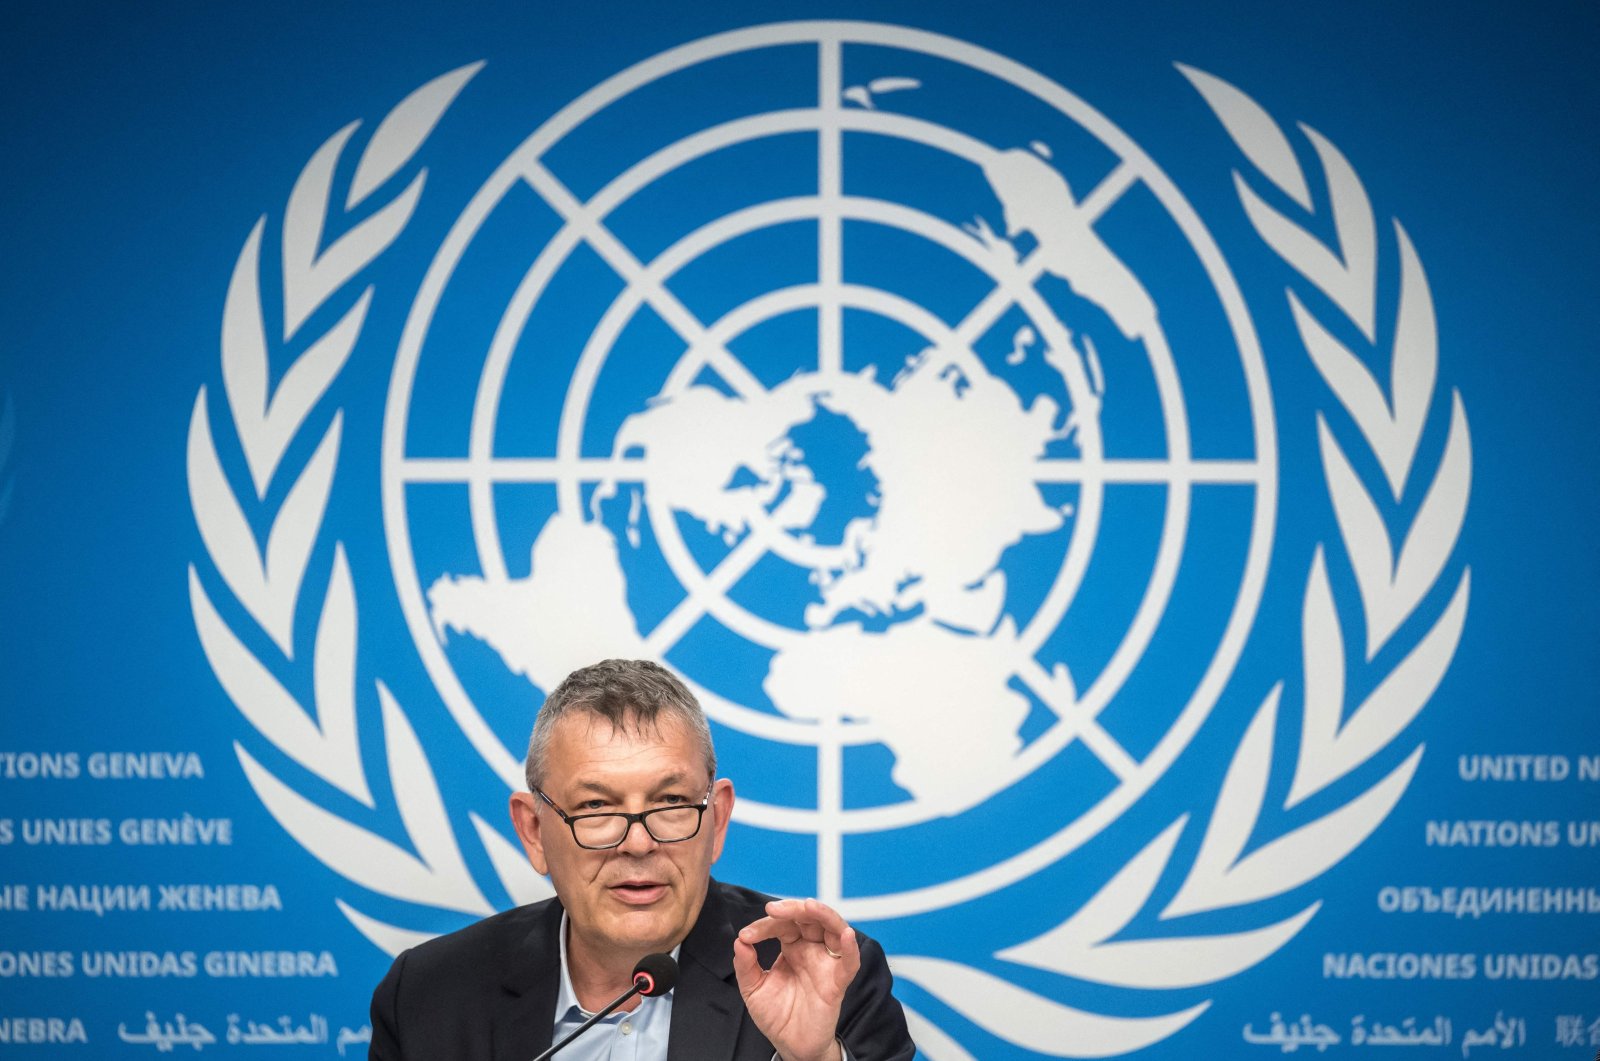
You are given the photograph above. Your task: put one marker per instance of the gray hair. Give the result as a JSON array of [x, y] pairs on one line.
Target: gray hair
[[631, 694]]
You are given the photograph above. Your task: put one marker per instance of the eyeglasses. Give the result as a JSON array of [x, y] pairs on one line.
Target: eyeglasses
[[608, 829]]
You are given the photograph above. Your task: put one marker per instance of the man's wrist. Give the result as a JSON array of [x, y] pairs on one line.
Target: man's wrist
[[838, 1053]]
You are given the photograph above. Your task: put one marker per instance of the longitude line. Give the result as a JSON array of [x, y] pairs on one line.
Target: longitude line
[[1085, 725], [628, 266], [680, 619], [830, 361], [1099, 199], [1103, 195], [993, 305]]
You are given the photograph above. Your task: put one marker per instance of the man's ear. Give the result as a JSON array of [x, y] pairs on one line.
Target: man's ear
[[525, 820], [722, 813]]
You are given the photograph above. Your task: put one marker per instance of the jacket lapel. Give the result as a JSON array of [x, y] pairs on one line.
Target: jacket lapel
[[706, 1007], [524, 1022]]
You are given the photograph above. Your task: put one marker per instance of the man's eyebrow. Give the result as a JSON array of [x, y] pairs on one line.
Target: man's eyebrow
[[672, 780]]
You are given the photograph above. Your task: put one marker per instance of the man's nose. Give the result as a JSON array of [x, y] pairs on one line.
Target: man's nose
[[637, 840]]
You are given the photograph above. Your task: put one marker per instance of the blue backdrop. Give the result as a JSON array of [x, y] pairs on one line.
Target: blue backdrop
[[1120, 477]]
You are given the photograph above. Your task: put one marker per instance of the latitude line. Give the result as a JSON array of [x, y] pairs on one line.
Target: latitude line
[[1155, 470], [677, 316], [636, 469], [524, 469]]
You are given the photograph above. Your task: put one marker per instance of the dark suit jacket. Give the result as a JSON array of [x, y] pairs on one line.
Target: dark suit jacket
[[488, 992]]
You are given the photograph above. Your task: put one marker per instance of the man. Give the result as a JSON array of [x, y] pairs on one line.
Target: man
[[625, 813]]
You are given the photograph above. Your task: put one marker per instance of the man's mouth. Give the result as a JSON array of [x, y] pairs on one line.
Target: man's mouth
[[638, 892]]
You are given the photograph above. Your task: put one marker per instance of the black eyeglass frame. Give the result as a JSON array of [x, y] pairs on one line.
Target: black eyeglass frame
[[571, 821]]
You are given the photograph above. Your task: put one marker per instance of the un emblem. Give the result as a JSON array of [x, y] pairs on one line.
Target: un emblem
[[899, 400]]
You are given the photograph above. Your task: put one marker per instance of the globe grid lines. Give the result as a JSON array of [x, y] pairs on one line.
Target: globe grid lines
[[584, 217], [706, 591], [588, 228], [754, 546], [1019, 292], [701, 592], [483, 469]]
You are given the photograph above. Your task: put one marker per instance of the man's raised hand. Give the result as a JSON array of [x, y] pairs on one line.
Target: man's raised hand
[[796, 1002]]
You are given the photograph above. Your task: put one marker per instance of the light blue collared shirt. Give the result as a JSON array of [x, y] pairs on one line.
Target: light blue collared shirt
[[640, 1035]]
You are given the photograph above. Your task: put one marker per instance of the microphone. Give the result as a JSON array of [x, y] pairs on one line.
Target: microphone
[[654, 975]]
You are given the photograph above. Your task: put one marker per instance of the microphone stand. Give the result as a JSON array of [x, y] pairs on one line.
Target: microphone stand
[[640, 983]]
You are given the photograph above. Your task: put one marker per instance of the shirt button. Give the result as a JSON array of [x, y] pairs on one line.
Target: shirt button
[[627, 1028]]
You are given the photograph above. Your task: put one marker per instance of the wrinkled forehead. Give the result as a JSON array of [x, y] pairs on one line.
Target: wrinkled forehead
[[583, 740]]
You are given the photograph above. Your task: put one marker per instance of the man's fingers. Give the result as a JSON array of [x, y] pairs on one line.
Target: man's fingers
[[837, 935], [792, 921], [746, 969], [777, 928], [810, 910]]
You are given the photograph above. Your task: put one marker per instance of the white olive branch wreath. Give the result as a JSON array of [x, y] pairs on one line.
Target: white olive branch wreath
[[1334, 741], [322, 739], [266, 582]]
